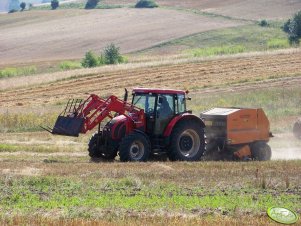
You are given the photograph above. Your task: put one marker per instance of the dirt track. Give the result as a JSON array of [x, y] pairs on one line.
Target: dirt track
[[193, 76]]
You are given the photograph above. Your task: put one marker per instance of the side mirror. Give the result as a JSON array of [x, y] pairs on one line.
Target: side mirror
[[187, 98], [125, 98]]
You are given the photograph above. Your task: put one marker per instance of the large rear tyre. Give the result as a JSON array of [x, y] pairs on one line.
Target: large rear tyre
[[261, 151], [134, 148], [96, 152], [187, 142], [297, 129]]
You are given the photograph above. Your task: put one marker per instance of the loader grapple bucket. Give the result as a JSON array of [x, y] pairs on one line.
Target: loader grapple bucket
[[68, 126]]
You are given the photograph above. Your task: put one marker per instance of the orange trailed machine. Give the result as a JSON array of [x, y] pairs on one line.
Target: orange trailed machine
[[241, 133]]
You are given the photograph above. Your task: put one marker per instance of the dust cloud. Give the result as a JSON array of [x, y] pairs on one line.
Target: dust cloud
[[285, 147], [286, 153]]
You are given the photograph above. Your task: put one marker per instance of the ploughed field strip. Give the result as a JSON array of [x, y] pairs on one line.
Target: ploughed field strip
[[179, 76]]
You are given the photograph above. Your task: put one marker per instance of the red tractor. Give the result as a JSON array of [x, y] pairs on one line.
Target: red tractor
[[156, 123]]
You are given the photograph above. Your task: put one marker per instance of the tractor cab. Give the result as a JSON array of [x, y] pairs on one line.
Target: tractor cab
[[160, 106]]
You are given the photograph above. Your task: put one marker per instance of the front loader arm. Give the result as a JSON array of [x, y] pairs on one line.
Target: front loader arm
[[88, 114]]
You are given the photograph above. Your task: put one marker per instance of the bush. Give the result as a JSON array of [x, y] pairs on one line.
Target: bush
[[293, 28], [263, 23], [111, 55], [54, 4], [22, 6], [286, 25], [146, 4], [12, 11], [90, 60], [91, 4]]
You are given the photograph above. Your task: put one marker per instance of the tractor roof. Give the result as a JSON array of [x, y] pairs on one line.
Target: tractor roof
[[158, 91]]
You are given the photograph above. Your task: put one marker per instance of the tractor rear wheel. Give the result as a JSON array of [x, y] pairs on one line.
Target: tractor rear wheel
[[95, 152], [187, 142], [261, 151], [134, 148], [297, 129]]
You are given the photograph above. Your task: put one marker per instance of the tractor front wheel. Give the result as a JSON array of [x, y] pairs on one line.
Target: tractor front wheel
[[134, 148], [96, 152], [261, 151], [297, 129], [187, 142]]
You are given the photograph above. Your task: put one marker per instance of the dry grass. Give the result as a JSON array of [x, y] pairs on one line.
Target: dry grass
[[156, 221], [194, 76], [139, 62], [250, 9]]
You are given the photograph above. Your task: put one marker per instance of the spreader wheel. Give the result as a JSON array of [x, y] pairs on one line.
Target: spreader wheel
[[187, 142], [297, 129], [261, 151], [95, 151], [134, 148]]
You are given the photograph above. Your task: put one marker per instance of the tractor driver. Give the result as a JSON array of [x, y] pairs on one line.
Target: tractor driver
[[164, 109], [164, 114]]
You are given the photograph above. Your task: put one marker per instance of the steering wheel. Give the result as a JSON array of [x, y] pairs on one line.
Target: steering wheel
[[150, 111]]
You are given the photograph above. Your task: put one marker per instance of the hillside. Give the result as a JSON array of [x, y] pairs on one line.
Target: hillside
[[243, 9], [46, 35], [68, 34]]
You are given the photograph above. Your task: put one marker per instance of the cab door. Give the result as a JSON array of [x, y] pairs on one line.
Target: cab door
[[148, 103], [165, 111]]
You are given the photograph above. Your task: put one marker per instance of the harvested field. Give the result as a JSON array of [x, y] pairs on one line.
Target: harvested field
[[243, 9], [67, 34], [69, 190], [247, 9], [194, 76]]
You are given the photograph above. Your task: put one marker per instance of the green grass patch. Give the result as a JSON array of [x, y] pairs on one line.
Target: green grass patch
[[277, 43], [251, 37], [70, 65], [12, 71], [74, 197], [8, 148], [220, 50]]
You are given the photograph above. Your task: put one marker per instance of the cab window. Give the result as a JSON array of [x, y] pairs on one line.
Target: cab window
[[180, 104], [145, 102]]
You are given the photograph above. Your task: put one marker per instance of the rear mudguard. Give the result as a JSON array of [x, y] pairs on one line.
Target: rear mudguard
[[180, 118]]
